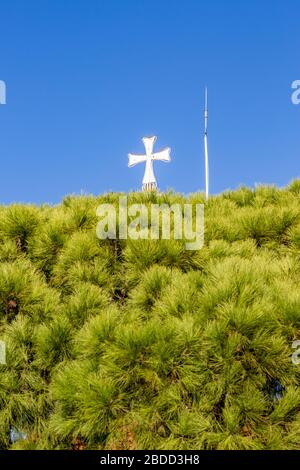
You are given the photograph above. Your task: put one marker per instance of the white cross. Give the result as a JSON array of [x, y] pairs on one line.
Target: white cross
[[149, 180]]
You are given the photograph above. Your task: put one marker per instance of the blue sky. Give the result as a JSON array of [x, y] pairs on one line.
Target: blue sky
[[86, 80]]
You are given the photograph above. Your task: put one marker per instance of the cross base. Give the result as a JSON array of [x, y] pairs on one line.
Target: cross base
[[149, 187]]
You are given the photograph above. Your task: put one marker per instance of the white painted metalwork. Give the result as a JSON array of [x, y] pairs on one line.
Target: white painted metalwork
[[149, 180], [206, 146]]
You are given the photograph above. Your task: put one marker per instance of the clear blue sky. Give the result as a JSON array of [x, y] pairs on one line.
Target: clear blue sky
[[87, 79]]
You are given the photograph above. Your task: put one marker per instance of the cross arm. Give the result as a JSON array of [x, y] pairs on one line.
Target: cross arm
[[163, 155], [135, 159]]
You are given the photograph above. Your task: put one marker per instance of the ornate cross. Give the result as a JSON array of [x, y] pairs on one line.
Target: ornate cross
[[149, 180]]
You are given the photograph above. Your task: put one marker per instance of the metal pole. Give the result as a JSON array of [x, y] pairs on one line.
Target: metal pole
[[206, 146]]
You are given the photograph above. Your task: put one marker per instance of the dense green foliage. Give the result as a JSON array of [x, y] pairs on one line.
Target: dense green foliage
[[143, 344]]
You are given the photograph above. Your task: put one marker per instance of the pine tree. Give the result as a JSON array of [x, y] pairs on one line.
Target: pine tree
[[142, 344]]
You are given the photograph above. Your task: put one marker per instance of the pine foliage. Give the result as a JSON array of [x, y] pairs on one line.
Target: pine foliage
[[142, 344]]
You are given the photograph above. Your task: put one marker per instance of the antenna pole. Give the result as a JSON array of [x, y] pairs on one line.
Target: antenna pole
[[206, 146]]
